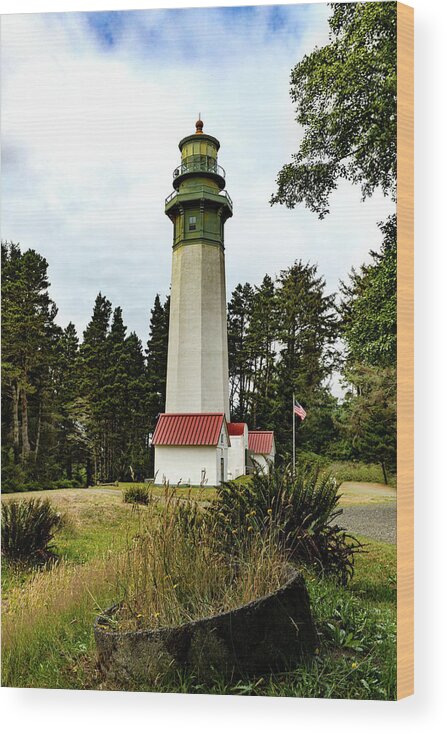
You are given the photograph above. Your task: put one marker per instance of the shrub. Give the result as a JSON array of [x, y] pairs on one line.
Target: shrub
[[13, 476], [137, 495], [357, 471], [28, 528], [298, 512], [32, 486], [62, 484], [308, 460]]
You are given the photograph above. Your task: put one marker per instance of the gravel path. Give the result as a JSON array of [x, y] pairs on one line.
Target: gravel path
[[376, 521]]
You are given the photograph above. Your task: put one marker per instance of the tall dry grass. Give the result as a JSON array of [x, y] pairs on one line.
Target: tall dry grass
[[177, 571], [50, 614]]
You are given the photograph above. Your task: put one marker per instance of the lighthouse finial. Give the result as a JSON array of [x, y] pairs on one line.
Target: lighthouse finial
[[199, 126]]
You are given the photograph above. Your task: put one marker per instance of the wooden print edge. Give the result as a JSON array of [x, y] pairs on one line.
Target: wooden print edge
[[405, 352]]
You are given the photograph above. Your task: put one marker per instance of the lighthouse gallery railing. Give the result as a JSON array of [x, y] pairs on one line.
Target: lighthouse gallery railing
[[197, 164], [202, 190]]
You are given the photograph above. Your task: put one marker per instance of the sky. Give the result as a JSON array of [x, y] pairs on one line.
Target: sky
[[93, 108]]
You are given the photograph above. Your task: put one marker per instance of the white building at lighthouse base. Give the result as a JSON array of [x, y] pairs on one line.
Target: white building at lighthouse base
[[191, 449]]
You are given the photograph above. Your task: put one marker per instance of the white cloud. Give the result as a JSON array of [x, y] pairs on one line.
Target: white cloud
[[90, 138]]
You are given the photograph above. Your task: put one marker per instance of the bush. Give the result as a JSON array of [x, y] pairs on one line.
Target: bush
[[137, 495], [309, 460], [299, 512], [28, 528], [13, 476], [34, 486], [358, 471], [62, 484]]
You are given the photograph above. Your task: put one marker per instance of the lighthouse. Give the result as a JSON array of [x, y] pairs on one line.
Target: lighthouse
[[197, 375], [195, 443]]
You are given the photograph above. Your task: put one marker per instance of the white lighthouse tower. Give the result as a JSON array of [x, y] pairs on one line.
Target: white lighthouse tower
[[197, 376], [191, 439], [195, 444]]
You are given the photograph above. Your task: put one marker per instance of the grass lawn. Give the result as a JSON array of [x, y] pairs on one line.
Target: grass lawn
[[47, 634], [365, 493]]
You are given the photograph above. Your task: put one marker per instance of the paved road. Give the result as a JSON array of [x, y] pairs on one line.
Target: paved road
[[376, 521]]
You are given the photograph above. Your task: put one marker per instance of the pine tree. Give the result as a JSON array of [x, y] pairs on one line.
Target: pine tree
[[138, 420], [71, 437], [307, 334], [28, 329], [240, 368], [157, 358], [114, 402], [92, 403], [371, 416], [261, 338]]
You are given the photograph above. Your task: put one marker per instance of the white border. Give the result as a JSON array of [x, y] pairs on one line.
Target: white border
[[77, 711]]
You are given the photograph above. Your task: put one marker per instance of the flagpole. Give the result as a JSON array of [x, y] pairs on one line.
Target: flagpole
[[293, 435]]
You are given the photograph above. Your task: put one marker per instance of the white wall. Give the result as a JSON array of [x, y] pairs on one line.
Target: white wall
[[185, 464], [262, 461], [197, 376], [236, 455]]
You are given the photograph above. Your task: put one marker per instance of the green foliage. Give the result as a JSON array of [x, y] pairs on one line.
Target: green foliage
[[70, 413], [157, 357], [371, 416], [137, 495], [13, 475], [358, 471], [346, 97], [239, 352], [38, 377], [369, 306], [28, 527], [298, 511], [281, 338], [29, 349], [308, 461]]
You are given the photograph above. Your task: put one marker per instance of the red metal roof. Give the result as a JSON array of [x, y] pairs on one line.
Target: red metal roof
[[260, 442], [236, 429], [188, 429]]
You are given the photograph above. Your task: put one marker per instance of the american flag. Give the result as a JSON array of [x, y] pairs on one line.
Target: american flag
[[299, 410]]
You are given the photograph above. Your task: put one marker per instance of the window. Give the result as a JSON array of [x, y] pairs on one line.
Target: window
[[192, 224]]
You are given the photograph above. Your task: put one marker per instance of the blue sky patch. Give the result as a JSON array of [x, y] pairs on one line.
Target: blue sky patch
[[107, 26]]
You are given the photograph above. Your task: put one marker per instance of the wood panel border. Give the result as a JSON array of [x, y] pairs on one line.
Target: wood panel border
[[405, 352]]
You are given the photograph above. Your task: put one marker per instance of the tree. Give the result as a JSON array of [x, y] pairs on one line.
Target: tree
[[28, 332], [93, 364], [70, 410], [261, 339], [346, 97], [71, 436], [307, 334], [157, 358], [369, 306], [138, 420], [346, 104], [370, 420], [240, 368], [369, 327]]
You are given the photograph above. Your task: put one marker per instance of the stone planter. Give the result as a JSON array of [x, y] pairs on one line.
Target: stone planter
[[273, 633]]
